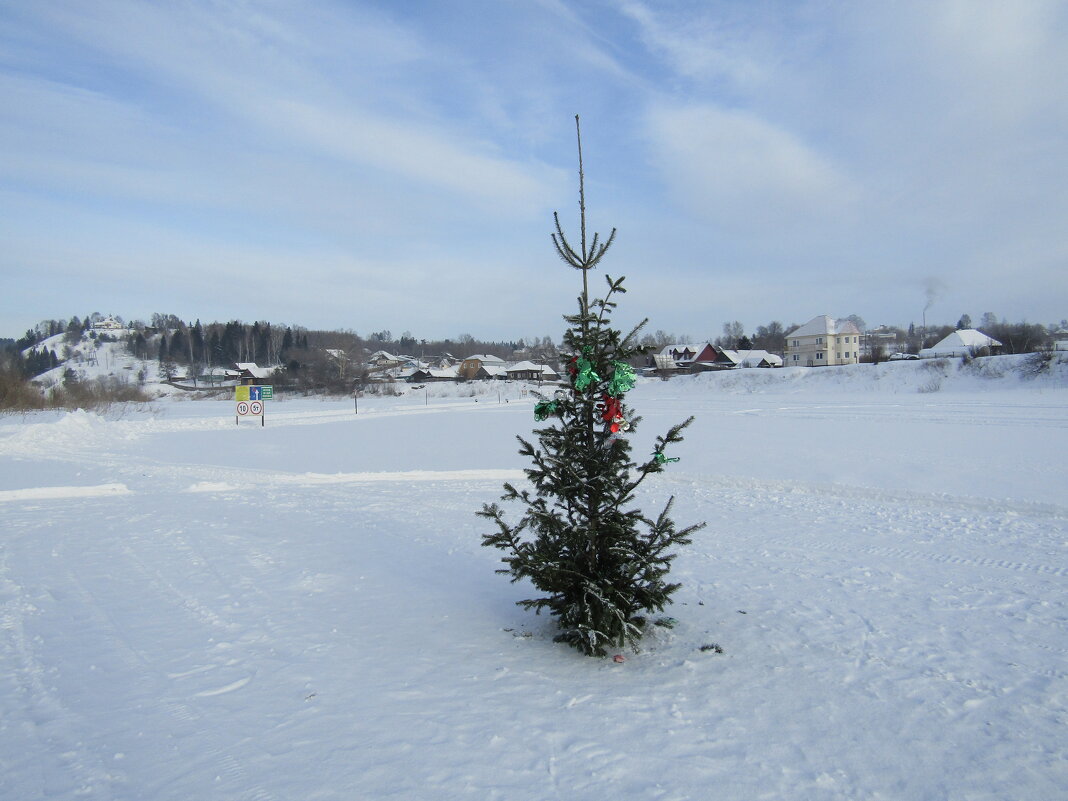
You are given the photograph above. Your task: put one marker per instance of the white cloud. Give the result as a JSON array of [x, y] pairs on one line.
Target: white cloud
[[421, 155], [249, 77], [706, 47], [742, 173]]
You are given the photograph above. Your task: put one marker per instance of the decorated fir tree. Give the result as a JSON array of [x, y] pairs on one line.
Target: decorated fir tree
[[599, 565]]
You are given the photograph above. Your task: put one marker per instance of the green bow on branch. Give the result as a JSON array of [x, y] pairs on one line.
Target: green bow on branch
[[545, 409], [623, 379], [584, 374]]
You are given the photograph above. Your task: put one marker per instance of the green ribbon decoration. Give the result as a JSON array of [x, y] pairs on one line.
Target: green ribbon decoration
[[623, 379], [660, 458], [545, 409], [584, 376]]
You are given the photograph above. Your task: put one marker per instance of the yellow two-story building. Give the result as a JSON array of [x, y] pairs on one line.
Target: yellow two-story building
[[823, 341]]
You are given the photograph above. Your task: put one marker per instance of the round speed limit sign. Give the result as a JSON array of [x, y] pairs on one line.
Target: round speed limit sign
[[242, 407], [255, 407]]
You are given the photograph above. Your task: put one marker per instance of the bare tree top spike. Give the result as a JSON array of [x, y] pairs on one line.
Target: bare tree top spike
[[588, 255]]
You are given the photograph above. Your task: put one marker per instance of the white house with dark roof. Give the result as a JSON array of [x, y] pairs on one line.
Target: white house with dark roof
[[823, 341]]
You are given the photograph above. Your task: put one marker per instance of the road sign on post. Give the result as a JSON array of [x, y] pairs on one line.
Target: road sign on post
[[250, 401]]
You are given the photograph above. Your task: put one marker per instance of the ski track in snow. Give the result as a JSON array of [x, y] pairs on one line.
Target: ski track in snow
[[228, 630]]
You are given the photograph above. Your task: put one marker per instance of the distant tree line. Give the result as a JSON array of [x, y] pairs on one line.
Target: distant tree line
[[311, 360]]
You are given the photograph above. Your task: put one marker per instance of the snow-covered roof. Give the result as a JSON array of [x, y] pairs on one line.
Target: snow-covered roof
[[433, 372], [973, 337], [384, 356], [825, 324], [254, 369], [486, 359], [960, 342], [694, 348], [495, 370], [524, 367], [752, 358]]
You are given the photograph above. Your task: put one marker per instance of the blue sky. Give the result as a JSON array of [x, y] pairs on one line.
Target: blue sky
[[395, 165]]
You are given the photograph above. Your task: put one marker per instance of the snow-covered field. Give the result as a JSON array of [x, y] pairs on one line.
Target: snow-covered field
[[193, 609]]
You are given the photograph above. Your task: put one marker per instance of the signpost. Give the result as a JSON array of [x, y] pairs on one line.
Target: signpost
[[250, 402]]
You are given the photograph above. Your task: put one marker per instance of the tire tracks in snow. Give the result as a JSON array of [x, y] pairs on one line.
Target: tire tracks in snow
[[147, 669], [128, 648], [875, 496]]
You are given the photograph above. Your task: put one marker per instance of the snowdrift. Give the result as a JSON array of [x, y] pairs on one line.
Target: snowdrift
[[1028, 371]]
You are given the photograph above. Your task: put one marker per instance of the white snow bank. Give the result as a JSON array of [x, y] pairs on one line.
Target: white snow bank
[[53, 493], [1030, 371]]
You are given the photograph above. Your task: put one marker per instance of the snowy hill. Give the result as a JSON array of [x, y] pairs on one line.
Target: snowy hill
[[91, 359]]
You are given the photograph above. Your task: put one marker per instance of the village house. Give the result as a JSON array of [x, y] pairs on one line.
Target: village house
[[250, 373], [748, 358], [430, 374], [443, 362], [880, 340], [473, 365], [384, 360], [492, 372], [693, 358], [823, 341], [528, 371], [108, 324]]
